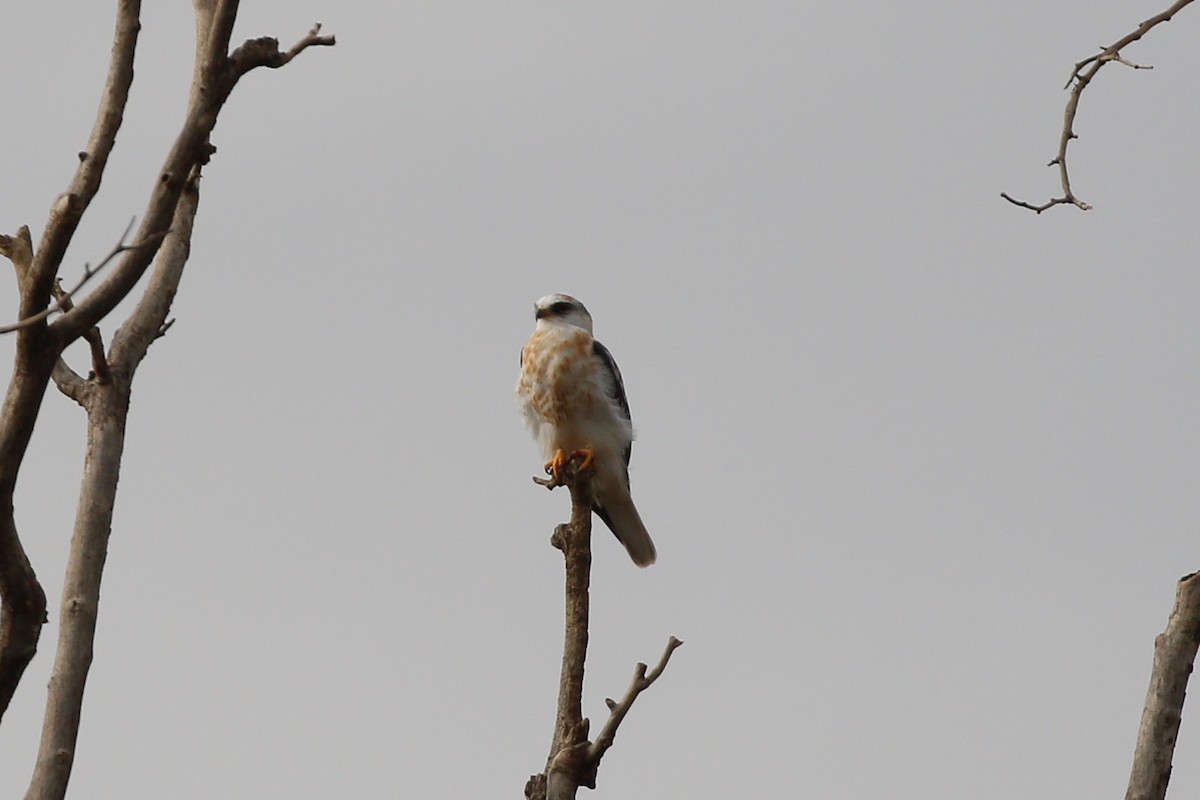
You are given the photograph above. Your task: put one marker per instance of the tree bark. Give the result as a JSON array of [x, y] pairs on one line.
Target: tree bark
[[1174, 654], [107, 407], [575, 541], [22, 600]]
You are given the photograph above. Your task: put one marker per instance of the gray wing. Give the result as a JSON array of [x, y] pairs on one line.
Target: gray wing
[[616, 390]]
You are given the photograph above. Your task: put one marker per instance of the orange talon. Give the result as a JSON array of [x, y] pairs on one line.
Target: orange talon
[[554, 465], [587, 454]]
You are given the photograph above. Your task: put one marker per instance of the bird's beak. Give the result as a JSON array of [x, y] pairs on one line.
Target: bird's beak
[[540, 313]]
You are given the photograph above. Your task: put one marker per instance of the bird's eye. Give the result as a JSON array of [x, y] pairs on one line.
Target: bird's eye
[[562, 307]]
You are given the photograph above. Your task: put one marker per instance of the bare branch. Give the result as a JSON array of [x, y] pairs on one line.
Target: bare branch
[[573, 760], [569, 744], [68, 381], [641, 682], [64, 300], [1081, 77], [1122, 60], [92, 336], [575, 541], [22, 599], [1039, 209], [264, 51], [148, 321], [1174, 654], [81, 590], [69, 208], [191, 148], [19, 250], [40, 345], [220, 17]]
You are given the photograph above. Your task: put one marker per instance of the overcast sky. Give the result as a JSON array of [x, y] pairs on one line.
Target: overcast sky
[[921, 466]]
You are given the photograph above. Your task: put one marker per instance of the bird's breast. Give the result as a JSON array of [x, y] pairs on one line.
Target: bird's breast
[[557, 374]]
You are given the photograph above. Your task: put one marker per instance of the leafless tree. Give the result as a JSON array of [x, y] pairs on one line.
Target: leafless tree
[[50, 318], [1081, 78], [574, 759]]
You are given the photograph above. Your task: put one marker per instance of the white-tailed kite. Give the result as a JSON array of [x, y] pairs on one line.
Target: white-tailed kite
[[574, 402]]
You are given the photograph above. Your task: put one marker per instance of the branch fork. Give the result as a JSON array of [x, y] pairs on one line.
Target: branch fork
[[574, 760], [577, 761], [18, 250], [1081, 76], [162, 239]]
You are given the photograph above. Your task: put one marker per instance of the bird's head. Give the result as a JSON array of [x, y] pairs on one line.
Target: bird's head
[[564, 309]]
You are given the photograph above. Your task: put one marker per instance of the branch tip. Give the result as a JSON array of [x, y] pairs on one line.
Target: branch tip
[[264, 51], [1081, 76]]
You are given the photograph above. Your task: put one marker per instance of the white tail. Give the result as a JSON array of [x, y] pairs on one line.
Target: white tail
[[622, 518]]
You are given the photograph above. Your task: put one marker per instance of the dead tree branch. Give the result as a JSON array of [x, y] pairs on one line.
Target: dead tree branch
[[22, 600], [574, 760], [617, 711], [265, 52], [100, 372], [19, 250], [149, 318], [1081, 77], [107, 401], [40, 344], [107, 406], [68, 209], [575, 541], [1174, 654], [63, 301], [218, 76]]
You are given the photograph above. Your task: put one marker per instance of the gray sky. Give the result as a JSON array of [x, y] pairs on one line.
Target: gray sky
[[920, 466]]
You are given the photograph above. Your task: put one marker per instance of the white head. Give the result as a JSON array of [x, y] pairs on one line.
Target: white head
[[562, 308]]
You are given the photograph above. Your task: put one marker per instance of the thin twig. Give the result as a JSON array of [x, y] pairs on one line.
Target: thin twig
[[617, 711], [192, 146], [1081, 77], [1039, 209], [89, 272]]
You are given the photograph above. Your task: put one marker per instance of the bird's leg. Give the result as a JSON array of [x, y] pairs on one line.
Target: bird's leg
[[587, 455], [555, 465]]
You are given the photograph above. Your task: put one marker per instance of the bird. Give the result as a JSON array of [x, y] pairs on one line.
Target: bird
[[573, 400]]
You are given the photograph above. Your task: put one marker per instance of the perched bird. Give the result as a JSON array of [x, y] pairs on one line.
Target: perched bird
[[574, 403]]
